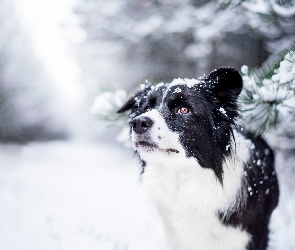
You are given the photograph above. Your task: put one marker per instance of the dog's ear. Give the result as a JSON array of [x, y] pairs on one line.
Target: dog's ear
[[136, 101], [128, 105], [227, 84]]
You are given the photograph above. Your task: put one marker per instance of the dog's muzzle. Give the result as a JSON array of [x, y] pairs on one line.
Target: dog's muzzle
[[141, 124]]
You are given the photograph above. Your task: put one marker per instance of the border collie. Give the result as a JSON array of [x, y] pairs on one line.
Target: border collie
[[213, 183]]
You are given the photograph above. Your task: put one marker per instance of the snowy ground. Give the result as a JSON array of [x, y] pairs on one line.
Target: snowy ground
[[76, 195]]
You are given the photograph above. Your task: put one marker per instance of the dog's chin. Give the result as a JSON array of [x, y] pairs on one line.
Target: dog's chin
[[146, 146], [152, 147]]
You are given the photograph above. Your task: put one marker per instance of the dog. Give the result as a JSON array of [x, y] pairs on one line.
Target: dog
[[214, 184]]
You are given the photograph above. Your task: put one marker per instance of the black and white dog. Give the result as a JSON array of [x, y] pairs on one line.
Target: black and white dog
[[214, 184]]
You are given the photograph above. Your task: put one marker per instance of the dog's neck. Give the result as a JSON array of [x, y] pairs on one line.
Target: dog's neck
[[189, 198]]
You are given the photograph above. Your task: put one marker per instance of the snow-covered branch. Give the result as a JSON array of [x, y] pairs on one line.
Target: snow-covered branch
[[269, 95]]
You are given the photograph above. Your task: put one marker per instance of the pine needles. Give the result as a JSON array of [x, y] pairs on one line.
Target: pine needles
[[269, 92]]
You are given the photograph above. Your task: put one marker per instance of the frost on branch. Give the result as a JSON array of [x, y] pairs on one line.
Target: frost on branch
[[105, 107], [269, 97]]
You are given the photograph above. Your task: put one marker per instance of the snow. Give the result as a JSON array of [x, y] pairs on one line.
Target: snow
[[107, 101], [245, 70], [286, 72], [271, 92], [159, 85], [283, 219], [277, 91], [258, 6], [190, 83], [177, 90], [106, 105], [285, 11], [221, 109], [74, 195]]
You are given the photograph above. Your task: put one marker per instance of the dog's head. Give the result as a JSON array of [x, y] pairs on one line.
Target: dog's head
[[186, 117]]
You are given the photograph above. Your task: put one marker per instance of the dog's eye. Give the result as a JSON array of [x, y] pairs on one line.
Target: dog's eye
[[183, 110], [147, 109]]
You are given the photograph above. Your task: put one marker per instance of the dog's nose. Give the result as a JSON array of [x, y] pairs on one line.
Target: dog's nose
[[141, 124]]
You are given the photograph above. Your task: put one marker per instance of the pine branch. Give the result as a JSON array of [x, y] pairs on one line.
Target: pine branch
[[106, 104], [288, 54], [269, 92]]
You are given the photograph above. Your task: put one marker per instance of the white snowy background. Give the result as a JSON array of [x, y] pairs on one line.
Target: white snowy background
[[84, 192], [74, 195]]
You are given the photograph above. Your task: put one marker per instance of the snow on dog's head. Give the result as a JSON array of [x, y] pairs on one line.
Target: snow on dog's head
[[186, 118]]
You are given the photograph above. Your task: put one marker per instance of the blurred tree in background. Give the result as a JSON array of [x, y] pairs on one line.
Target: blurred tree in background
[[27, 100], [162, 40]]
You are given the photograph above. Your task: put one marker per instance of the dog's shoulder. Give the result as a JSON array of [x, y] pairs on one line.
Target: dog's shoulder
[[259, 189]]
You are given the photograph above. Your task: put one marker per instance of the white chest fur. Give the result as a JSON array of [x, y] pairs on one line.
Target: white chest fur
[[189, 198]]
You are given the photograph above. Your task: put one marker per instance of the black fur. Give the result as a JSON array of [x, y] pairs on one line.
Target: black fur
[[261, 186]]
